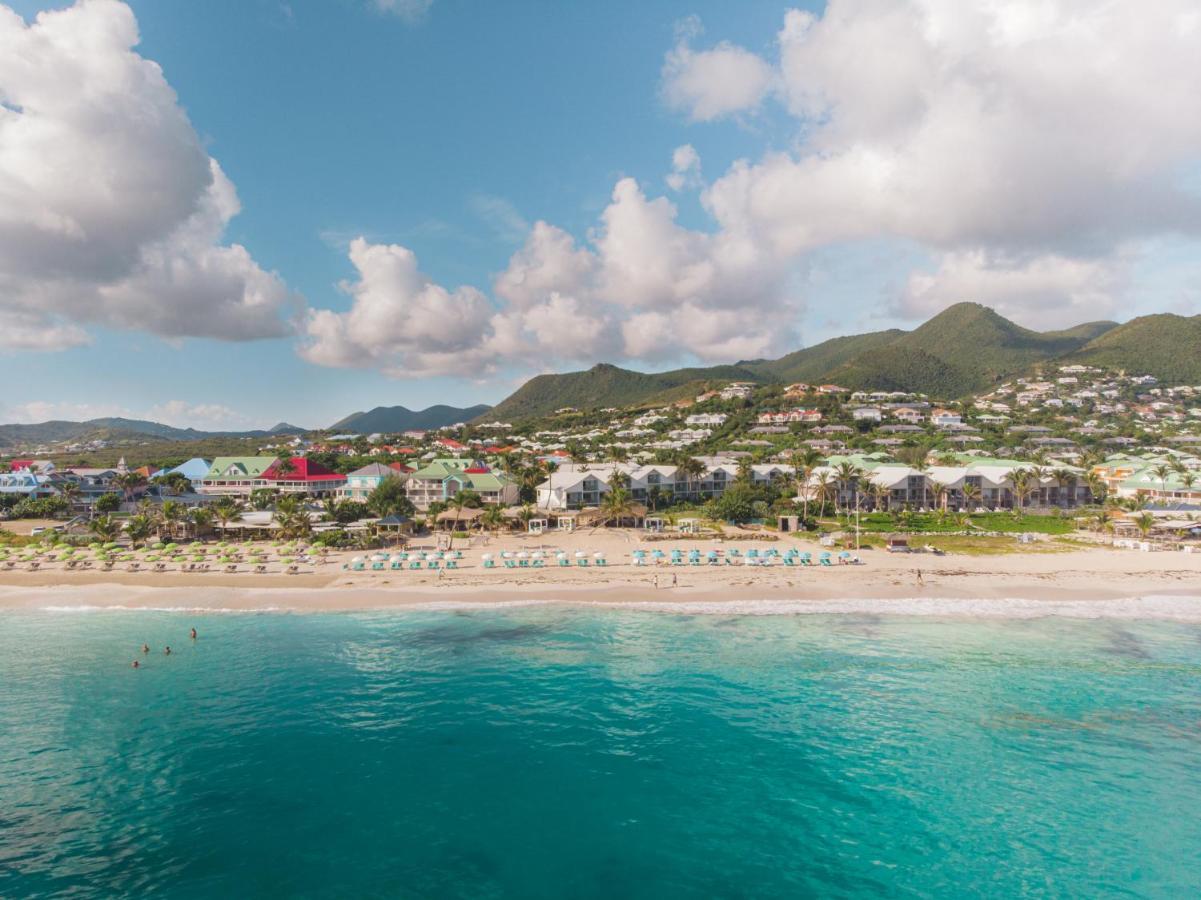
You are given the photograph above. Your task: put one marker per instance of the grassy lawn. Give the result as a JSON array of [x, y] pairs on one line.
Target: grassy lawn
[[931, 523]]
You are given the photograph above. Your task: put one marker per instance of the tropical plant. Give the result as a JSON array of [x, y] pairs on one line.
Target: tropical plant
[[138, 528], [388, 499], [292, 518], [106, 528], [616, 506], [226, 510], [107, 503], [1144, 522]]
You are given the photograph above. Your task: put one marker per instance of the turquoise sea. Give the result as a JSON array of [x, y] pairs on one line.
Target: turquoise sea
[[555, 752]]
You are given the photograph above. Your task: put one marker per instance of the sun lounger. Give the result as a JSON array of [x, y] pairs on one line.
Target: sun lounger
[[489, 564], [523, 563], [825, 561], [9, 564], [160, 567], [34, 566], [601, 562], [538, 564], [293, 569], [510, 564], [108, 565], [377, 566], [415, 564], [452, 564], [582, 562], [564, 562], [231, 568], [789, 561], [260, 569], [134, 567]]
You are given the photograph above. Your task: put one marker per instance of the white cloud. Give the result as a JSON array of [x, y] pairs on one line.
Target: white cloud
[[111, 211], [501, 216], [685, 169], [202, 416], [411, 11], [1041, 291], [710, 84], [1054, 130]]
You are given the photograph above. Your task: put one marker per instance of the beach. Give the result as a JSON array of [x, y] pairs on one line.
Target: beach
[[1017, 583]]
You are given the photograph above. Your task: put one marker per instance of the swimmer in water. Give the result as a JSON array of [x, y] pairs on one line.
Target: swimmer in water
[[137, 664], [166, 651], [145, 648], [193, 634]]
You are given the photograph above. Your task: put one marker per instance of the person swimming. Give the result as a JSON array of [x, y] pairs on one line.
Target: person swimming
[[193, 634], [137, 664], [166, 651], [145, 648]]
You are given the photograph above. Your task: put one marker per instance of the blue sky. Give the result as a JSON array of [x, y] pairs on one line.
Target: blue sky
[[451, 132]]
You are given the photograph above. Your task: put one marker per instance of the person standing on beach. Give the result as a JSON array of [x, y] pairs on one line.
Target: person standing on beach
[[656, 581], [920, 583], [675, 580]]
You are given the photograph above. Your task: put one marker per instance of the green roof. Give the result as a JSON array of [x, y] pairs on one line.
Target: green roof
[[233, 468]]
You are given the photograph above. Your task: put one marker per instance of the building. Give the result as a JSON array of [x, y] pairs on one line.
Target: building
[[717, 419], [867, 414], [195, 469], [440, 479], [943, 418], [235, 476], [361, 482]]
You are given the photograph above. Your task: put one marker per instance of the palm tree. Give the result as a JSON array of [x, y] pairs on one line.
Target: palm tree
[[822, 487], [941, 493], [201, 519], [745, 472], [226, 510], [1188, 478], [292, 517], [138, 528], [106, 528], [493, 518], [1038, 474], [129, 483], [1063, 477], [172, 512], [69, 491], [1096, 486], [616, 506], [971, 496], [1162, 472], [1144, 522], [847, 474], [1020, 479], [692, 469], [654, 496]]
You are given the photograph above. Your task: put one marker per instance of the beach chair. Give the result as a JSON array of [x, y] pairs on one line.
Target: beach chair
[[293, 569], [231, 569], [523, 563], [108, 565], [564, 562], [806, 561], [601, 562], [134, 567], [510, 564], [162, 567], [415, 564], [825, 561], [377, 566], [489, 564], [357, 567], [260, 569], [452, 564], [582, 562], [10, 564], [790, 560], [434, 564], [396, 565]]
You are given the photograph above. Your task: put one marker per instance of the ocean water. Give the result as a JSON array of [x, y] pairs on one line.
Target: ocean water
[[553, 752]]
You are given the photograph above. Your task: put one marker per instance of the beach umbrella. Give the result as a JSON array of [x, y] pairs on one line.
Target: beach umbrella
[[826, 554], [844, 555], [486, 556], [712, 554], [538, 554], [639, 554], [599, 555], [580, 554], [658, 554], [505, 554], [523, 555]]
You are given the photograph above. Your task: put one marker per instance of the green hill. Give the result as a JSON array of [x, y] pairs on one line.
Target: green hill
[[1164, 345], [965, 348], [605, 385], [391, 419], [816, 362]]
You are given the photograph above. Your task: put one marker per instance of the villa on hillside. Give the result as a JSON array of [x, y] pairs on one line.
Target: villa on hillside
[[440, 479]]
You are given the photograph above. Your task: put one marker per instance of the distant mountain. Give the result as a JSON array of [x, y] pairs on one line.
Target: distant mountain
[[390, 419], [964, 349], [604, 385], [1164, 345], [119, 429]]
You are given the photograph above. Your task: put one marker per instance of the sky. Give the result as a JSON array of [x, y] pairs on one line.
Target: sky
[[238, 212]]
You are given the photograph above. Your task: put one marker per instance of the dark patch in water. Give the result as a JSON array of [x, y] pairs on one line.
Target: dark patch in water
[[460, 635], [1126, 643]]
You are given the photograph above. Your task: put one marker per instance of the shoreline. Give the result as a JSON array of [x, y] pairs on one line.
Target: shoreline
[[1084, 582]]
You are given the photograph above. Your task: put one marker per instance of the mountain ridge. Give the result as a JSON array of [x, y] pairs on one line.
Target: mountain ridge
[[391, 419], [965, 349]]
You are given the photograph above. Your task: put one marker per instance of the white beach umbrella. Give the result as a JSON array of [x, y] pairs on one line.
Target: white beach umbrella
[[599, 555], [580, 554], [523, 555], [486, 556]]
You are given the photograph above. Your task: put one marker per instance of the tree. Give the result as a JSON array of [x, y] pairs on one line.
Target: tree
[[202, 520], [1020, 479], [107, 503], [173, 512], [822, 487], [69, 491], [616, 506], [1062, 478], [226, 510], [654, 496], [692, 469], [1096, 486], [1162, 472], [292, 518], [971, 496], [493, 518], [736, 504], [130, 483], [138, 528], [106, 528], [388, 499], [263, 498], [847, 475], [942, 493], [1144, 522]]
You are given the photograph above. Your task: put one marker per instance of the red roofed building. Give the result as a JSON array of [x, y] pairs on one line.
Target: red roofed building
[[450, 444], [401, 467], [303, 476]]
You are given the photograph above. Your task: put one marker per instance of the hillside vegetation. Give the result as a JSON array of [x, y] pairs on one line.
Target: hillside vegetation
[[1166, 346], [965, 349], [390, 419]]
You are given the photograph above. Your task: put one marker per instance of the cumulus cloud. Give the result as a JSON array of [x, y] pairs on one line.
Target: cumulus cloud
[[1062, 129], [111, 211], [710, 84], [1046, 291], [685, 168]]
